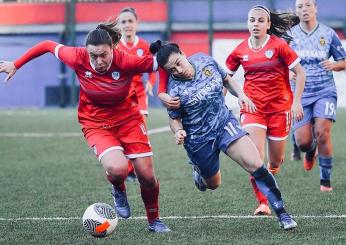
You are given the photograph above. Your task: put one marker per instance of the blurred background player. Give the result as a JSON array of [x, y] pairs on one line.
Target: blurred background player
[[267, 59], [108, 113], [205, 125], [315, 43], [132, 44]]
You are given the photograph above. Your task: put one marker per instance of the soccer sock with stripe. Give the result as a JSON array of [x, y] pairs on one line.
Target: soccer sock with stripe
[[267, 185], [326, 165], [150, 198]]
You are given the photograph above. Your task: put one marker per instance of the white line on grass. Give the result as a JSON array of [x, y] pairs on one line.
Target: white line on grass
[[343, 216], [71, 134]]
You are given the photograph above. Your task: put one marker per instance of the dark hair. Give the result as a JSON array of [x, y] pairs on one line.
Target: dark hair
[[163, 51], [105, 33], [129, 10], [281, 23]]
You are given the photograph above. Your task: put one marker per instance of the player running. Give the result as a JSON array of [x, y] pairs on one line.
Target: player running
[[206, 126], [108, 112], [267, 59], [315, 43]]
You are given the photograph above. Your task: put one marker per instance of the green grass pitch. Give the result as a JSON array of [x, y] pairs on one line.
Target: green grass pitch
[[49, 177]]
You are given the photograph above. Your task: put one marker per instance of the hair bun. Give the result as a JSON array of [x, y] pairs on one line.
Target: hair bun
[[155, 46]]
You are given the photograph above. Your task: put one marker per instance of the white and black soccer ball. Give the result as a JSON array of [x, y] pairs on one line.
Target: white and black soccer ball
[[100, 219]]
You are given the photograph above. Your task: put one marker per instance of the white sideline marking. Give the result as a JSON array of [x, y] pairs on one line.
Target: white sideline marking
[[183, 217], [71, 134]]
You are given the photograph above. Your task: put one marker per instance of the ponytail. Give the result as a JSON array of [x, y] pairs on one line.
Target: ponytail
[[105, 33]]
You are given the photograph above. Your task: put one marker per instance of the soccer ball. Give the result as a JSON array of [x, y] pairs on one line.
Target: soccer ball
[[100, 219]]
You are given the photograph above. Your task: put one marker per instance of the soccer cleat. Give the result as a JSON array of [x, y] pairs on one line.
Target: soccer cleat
[[262, 209], [325, 186], [286, 222], [158, 226], [310, 160], [198, 178], [121, 204]]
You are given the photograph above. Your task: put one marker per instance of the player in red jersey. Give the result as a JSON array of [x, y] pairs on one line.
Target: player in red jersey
[[267, 59], [132, 44], [108, 111]]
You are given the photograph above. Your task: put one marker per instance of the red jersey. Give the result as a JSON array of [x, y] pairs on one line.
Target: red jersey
[[104, 99], [139, 47], [266, 72]]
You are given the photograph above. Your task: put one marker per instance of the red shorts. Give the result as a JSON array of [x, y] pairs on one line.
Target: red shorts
[[277, 125], [142, 99], [130, 137]]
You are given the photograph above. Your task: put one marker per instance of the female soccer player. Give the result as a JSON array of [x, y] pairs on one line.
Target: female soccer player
[[206, 126], [132, 44], [267, 59], [108, 111], [315, 43]]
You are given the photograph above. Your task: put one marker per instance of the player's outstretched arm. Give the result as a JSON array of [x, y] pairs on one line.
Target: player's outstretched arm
[[39, 49], [297, 108]]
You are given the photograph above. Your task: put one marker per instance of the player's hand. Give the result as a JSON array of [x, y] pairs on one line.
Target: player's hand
[[169, 101], [245, 103], [149, 88], [7, 67], [327, 65], [297, 111], [180, 135]]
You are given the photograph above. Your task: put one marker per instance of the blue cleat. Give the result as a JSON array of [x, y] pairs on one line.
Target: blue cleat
[[121, 204], [158, 226], [286, 222], [198, 178]]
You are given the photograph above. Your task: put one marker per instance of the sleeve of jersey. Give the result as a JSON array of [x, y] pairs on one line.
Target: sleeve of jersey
[[288, 55], [174, 114], [163, 81], [220, 69], [139, 64], [232, 62], [336, 49], [36, 51], [152, 75]]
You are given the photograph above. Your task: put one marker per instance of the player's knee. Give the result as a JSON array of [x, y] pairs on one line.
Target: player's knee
[[214, 186], [148, 182], [117, 172], [322, 136], [305, 146]]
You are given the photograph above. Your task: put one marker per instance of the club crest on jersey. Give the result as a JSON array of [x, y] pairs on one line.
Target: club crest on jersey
[[206, 72], [322, 41], [88, 74], [140, 52], [115, 75], [269, 53]]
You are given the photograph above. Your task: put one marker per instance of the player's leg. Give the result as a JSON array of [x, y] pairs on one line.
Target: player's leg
[[137, 148], [239, 152], [255, 125], [296, 153], [107, 148], [325, 115], [303, 133], [206, 166]]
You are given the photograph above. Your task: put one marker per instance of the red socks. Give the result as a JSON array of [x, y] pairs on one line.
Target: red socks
[[150, 198]]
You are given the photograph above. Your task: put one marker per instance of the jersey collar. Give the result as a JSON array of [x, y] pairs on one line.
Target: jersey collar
[[311, 32], [264, 44], [122, 40]]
